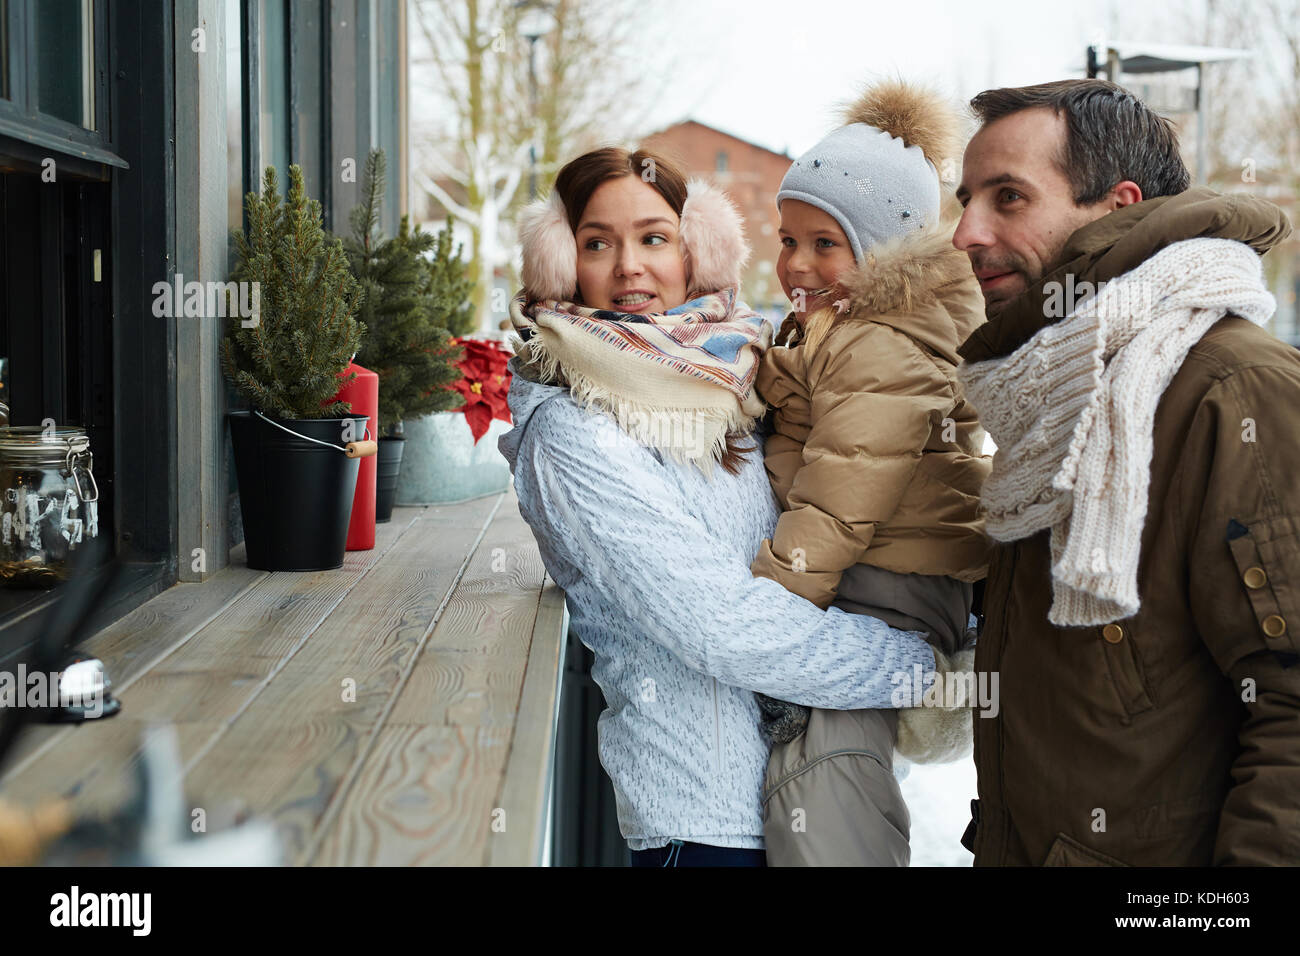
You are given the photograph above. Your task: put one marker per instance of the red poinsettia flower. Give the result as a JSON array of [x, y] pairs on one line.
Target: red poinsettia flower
[[485, 384]]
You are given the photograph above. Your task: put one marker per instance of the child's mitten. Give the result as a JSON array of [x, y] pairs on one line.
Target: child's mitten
[[942, 734]]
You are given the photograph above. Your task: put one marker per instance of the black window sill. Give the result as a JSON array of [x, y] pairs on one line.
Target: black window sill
[[21, 611]]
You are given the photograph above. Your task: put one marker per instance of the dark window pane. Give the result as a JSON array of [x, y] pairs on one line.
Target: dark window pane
[[387, 104], [274, 74], [234, 114], [308, 101], [65, 60], [4, 49]]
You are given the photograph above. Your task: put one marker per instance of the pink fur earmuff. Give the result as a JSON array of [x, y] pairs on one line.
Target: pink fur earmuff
[[712, 234]]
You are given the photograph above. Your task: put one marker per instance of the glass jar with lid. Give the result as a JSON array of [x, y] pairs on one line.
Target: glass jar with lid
[[49, 502]]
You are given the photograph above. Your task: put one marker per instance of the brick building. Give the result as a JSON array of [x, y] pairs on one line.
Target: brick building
[[750, 174]]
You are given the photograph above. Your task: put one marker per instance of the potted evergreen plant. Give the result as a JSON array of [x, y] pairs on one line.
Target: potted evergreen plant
[[295, 450], [450, 301], [413, 355]]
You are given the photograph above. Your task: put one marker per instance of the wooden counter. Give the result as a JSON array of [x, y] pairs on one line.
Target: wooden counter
[[398, 711]]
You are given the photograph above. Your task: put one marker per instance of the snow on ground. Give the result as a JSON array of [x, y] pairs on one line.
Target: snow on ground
[[938, 798]]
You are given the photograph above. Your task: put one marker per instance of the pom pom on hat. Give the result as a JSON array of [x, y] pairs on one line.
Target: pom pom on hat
[[916, 115], [878, 175]]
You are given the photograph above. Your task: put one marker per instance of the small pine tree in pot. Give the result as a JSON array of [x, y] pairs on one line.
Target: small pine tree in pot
[[295, 451], [450, 301], [413, 355]]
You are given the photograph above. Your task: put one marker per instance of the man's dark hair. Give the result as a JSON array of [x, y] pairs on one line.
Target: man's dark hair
[[1110, 136]]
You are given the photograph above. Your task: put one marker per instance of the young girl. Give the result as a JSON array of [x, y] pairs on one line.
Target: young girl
[[875, 457]]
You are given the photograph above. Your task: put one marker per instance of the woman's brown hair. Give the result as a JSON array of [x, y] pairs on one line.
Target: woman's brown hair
[[582, 176]]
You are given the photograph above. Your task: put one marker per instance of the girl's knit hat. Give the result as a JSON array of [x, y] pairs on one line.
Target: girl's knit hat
[[711, 231], [879, 174]]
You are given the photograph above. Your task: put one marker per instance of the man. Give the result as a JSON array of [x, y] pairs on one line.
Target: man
[[1143, 598]]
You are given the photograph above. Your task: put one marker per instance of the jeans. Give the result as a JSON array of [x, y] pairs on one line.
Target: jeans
[[683, 853]]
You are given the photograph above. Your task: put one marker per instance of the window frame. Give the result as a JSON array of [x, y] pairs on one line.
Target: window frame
[[20, 116], [138, 239]]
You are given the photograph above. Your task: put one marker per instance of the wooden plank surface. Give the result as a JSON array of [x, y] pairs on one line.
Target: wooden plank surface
[[527, 778], [399, 710], [294, 750], [428, 792], [200, 685], [134, 643]]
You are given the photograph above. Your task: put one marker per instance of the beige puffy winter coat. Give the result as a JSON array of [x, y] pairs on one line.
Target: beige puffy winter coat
[[875, 455]]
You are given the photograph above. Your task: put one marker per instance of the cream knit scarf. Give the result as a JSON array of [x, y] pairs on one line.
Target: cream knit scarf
[[1072, 412], [678, 381]]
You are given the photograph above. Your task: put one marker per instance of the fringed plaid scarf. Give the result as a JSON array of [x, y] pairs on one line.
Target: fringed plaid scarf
[[677, 381]]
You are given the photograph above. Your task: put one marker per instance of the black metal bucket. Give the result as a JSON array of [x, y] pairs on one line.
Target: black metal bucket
[[295, 494], [388, 466]]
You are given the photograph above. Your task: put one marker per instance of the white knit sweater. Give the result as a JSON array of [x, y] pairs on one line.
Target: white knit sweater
[[654, 562]]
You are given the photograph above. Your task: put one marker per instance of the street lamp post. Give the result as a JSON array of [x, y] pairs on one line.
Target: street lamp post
[[1140, 58], [535, 20]]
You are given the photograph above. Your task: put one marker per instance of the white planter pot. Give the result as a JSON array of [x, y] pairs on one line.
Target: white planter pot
[[442, 465]]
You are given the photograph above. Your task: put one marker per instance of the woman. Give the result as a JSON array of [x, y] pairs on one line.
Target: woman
[[632, 380]]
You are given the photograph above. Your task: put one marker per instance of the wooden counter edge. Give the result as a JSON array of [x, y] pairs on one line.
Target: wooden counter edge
[[527, 781]]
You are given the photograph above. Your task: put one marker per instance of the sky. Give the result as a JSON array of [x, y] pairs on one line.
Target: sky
[[779, 73], [776, 72]]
